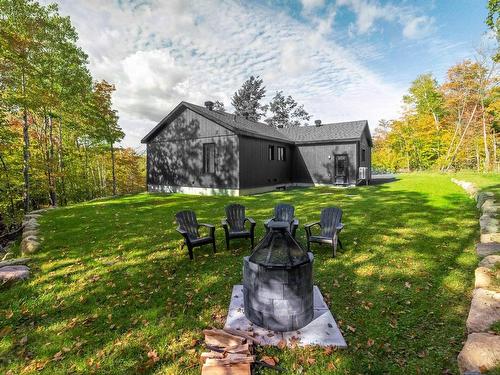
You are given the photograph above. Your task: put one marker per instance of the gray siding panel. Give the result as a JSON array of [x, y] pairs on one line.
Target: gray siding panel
[[255, 167], [175, 155], [313, 165]]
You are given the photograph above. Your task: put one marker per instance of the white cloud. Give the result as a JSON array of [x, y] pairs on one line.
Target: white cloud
[[368, 12], [160, 53], [309, 5]]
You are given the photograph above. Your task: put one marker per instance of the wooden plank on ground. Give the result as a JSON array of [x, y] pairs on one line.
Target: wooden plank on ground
[[237, 369], [219, 337], [246, 335]]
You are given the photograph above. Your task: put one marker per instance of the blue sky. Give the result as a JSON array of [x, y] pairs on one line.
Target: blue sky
[[342, 59]]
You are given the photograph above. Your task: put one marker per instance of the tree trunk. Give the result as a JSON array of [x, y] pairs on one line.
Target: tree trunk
[[26, 151], [61, 165], [495, 151], [485, 140], [9, 189], [50, 163], [113, 167], [453, 156]]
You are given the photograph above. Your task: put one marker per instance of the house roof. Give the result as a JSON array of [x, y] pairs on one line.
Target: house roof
[[339, 131], [301, 135]]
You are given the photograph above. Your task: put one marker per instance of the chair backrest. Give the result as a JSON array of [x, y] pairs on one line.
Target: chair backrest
[[284, 212], [187, 221], [235, 216], [330, 218]]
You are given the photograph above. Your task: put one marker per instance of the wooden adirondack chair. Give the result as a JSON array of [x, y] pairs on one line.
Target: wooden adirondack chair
[[234, 224], [285, 213], [330, 227], [188, 227]]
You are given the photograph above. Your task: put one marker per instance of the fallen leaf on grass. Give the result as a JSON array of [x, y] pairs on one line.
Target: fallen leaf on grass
[[5, 331], [311, 361], [351, 328], [282, 344], [23, 341], [153, 356], [269, 360], [407, 285], [370, 343], [58, 356]]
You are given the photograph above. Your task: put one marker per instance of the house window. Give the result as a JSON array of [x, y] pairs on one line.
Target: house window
[[209, 157], [281, 153], [363, 154], [270, 152]]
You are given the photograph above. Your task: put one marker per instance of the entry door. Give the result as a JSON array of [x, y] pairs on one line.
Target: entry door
[[341, 169]]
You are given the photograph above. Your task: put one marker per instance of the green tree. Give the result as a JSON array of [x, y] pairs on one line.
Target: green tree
[[286, 112], [493, 22], [246, 101]]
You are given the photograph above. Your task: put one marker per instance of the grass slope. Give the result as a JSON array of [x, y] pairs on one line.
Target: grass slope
[[111, 284]]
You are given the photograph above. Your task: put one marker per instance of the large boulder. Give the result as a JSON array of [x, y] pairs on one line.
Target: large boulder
[[485, 249], [10, 274], [480, 353], [484, 310]]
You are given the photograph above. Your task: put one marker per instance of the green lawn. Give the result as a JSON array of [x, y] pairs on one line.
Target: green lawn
[[484, 181], [111, 283]]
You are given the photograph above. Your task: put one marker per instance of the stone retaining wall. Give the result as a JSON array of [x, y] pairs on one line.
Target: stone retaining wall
[[481, 351], [13, 270]]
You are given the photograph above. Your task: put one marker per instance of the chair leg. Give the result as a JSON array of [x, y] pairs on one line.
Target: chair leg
[[340, 244], [251, 241], [334, 248], [190, 250], [213, 246], [308, 247], [227, 243]]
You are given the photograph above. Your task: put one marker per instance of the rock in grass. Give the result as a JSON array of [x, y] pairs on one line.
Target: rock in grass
[[484, 278], [490, 207], [490, 237], [480, 353], [30, 233], [488, 224], [485, 249], [29, 246], [10, 274], [484, 310], [483, 196], [490, 261]]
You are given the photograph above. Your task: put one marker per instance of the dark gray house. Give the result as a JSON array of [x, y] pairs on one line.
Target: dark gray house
[[198, 150]]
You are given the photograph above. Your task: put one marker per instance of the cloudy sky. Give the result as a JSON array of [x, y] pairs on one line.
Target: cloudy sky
[[343, 59]]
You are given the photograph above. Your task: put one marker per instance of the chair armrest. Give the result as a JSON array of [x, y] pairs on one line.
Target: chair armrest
[[206, 225], [311, 224], [267, 221], [181, 231], [250, 220], [295, 222], [224, 222], [340, 226]]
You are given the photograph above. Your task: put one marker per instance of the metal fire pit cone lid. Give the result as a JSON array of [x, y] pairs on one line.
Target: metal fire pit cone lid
[[279, 249]]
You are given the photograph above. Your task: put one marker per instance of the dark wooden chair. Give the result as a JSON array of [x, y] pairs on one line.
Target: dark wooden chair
[[284, 213], [330, 225], [188, 227], [234, 224]]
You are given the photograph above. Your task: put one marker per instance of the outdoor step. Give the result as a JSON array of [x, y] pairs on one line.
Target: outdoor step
[[480, 353], [485, 249]]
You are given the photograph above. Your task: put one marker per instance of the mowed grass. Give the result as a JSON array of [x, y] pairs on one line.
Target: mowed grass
[[484, 181], [111, 283]]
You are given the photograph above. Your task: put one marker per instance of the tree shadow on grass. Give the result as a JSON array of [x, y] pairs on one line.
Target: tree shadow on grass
[[115, 285]]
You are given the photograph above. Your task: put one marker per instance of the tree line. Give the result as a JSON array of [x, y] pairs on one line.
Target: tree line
[[58, 129], [450, 125]]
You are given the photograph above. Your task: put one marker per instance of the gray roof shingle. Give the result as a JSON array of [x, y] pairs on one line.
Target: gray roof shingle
[[351, 130], [302, 134]]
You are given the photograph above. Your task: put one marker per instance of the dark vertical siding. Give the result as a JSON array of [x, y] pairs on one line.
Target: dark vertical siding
[[175, 155], [256, 169], [312, 165]]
